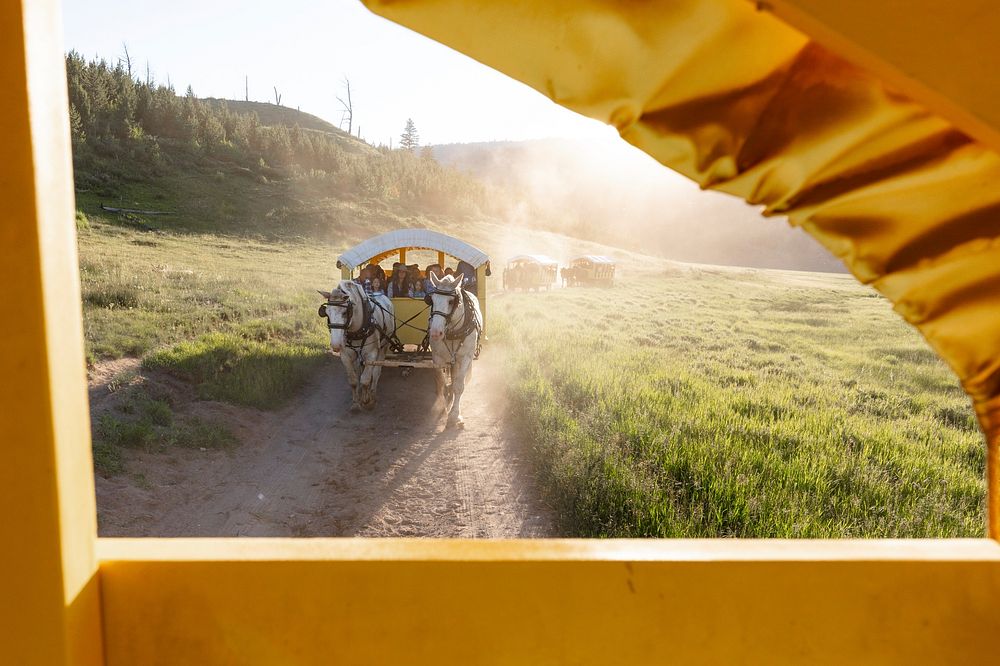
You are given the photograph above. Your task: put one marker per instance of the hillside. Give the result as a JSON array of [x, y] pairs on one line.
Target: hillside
[[233, 168], [272, 115]]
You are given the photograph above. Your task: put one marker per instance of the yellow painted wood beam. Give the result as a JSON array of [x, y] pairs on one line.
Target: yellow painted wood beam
[[400, 601], [50, 606], [945, 55]]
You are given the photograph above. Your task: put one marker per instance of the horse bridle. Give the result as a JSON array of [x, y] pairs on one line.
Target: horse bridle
[[360, 334], [456, 298], [337, 304]]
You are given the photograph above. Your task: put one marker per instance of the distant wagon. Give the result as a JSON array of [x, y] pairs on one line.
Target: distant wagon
[[400, 250], [530, 271], [589, 269]]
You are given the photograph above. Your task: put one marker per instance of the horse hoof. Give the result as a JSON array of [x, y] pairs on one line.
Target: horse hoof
[[355, 407], [458, 424], [369, 406]]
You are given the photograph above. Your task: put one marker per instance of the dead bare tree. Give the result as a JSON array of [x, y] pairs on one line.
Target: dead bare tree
[[149, 75], [277, 97], [246, 88], [348, 107], [127, 59]]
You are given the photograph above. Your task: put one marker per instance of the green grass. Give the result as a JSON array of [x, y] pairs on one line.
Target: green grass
[[244, 372], [143, 291], [235, 318], [149, 423], [740, 404]]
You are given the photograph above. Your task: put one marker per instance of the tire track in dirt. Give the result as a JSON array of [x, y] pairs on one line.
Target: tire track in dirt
[[313, 469]]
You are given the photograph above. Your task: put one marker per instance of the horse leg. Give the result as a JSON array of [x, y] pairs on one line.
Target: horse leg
[[459, 375], [441, 385], [369, 381], [351, 370]]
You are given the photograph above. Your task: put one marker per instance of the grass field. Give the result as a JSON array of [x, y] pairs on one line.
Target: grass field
[[235, 318], [734, 403], [189, 297], [686, 402]]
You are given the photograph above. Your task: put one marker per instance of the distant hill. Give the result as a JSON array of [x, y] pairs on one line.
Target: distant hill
[[608, 191], [272, 115]]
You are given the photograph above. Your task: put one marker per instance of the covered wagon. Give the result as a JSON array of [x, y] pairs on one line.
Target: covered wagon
[[530, 271], [589, 269], [414, 252]]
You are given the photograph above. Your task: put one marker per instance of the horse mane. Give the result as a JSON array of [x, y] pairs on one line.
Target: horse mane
[[352, 290]]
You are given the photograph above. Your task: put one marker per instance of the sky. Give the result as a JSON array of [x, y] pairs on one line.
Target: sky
[[305, 49]]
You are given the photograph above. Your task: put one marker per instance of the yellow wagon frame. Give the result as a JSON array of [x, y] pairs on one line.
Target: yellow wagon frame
[[71, 598]]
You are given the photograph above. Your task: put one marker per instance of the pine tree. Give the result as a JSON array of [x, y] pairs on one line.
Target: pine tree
[[409, 140]]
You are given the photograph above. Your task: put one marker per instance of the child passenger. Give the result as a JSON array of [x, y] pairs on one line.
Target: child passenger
[[417, 288]]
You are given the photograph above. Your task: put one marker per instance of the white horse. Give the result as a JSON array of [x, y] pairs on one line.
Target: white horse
[[360, 328], [455, 328]]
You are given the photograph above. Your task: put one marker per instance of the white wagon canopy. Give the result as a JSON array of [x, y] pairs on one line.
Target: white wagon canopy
[[541, 259], [593, 258], [375, 249]]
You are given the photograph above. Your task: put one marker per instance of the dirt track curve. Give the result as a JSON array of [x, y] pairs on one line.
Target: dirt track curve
[[313, 469]]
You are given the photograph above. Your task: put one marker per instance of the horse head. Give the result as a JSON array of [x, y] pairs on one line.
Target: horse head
[[341, 309], [444, 299]]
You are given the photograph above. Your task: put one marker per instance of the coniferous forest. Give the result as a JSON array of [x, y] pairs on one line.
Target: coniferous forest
[[127, 131]]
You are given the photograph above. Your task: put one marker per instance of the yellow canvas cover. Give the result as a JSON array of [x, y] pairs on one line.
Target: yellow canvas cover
[[740, 102]]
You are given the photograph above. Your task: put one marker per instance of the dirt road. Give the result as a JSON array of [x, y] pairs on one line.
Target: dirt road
[[313, 469]]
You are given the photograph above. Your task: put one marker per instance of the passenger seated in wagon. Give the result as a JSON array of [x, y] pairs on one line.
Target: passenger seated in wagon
[[399, 287], [365, 277], [435, 270], [416, 283]]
